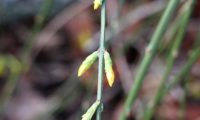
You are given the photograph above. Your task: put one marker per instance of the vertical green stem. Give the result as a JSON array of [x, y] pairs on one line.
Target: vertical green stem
[[101, 62], [148, 57], [170, 61]]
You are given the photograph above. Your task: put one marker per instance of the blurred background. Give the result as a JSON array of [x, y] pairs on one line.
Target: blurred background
[[43, 42]]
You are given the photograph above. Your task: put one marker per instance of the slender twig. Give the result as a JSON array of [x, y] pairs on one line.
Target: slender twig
[[194, 56], [170, 61], [39, 21], [101, 59], [171, 32], [150, 52]]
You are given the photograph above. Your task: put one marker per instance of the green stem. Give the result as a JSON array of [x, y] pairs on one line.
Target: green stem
[[101, 62], [194, 56], [170, 62], [39, 21], [10, 84], [150, 52], [172, 31]]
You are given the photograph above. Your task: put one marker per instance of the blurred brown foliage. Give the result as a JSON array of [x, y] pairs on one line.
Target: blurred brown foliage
[[49, 87]]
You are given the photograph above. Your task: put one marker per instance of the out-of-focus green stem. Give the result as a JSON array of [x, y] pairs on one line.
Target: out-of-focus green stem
[[150, 52], [170, 61], [101, 59], [171, 32], [14, 66], [39, 21], [194, 56]]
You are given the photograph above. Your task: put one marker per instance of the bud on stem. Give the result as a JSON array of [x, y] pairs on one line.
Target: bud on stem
[[90, 112], [97, 3], [86, 64], [108, 69]]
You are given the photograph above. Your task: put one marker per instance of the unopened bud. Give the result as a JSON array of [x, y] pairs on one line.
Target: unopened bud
[[97, 3], [108, 69], [86, 64], [90, 112]]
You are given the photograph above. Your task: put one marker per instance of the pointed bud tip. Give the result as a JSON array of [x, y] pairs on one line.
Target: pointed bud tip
[[79, 74], [86, 64], [97, 4], [110, 77], [81, 71], [110, 84]]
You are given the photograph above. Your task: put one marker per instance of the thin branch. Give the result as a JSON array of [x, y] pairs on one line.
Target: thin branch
[[170, 60], [150, 52], [101, 59]]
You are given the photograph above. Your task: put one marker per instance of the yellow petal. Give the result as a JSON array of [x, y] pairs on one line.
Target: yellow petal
[[97, 3], [110, 77]]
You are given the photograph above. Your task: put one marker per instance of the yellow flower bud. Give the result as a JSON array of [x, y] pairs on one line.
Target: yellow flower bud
[[86, 64], [97, 3], [110, 77], [90, 112], [108, 69]]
